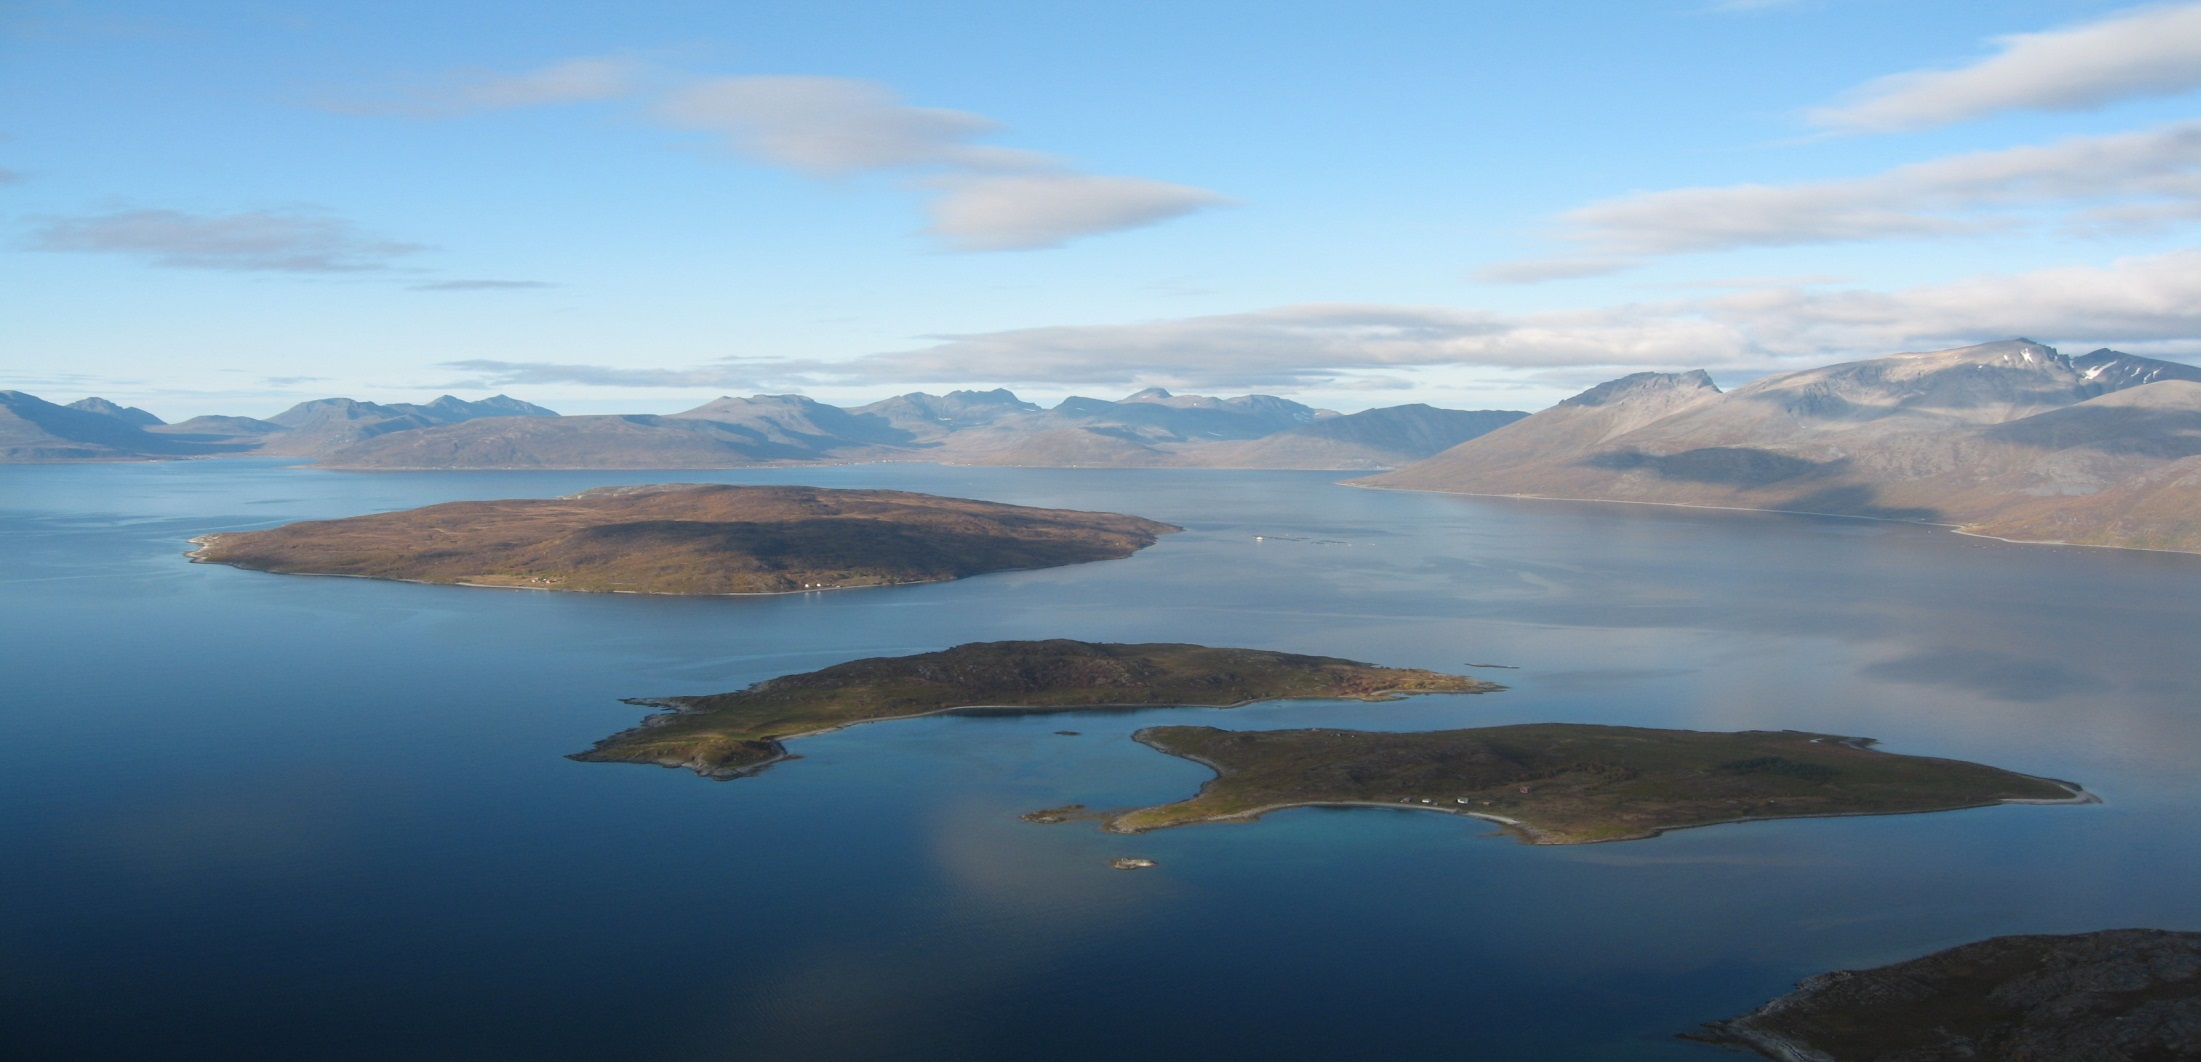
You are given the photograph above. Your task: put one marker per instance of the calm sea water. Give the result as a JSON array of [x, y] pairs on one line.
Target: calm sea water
[[256, 816]]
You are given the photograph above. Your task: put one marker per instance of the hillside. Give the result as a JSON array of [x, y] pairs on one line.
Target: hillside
[[2010, 439]]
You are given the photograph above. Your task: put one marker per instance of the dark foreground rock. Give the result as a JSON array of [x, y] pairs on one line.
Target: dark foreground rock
[[2111, 996]]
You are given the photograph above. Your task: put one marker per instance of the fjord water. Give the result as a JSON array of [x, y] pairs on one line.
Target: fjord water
[[248, 815]]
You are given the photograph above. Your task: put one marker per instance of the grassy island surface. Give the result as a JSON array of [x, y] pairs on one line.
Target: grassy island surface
[[2114, 994], [729, 734], [690, 539], [1565, 783]]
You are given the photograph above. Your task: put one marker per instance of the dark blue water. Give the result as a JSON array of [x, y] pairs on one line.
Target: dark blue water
[[256, 816]]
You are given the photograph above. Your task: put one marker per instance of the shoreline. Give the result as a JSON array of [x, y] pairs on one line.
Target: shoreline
[[1527, 833], [1955, 529], [196, 556], [677, 706]]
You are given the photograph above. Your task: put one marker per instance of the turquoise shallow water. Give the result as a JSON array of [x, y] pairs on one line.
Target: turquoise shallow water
[[258, 816]]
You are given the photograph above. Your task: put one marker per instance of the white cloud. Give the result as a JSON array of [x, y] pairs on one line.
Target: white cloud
[[483, 285], [833, 126], [495, 373], [2145, 303], [568, 81], [1014, 212], [985, 198], [2147, 51], [1538, 270], [2151, 177], [2152, 300], [572, 81], [255, 240]]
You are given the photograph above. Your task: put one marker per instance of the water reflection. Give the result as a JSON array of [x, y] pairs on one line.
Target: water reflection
[[251, 814]]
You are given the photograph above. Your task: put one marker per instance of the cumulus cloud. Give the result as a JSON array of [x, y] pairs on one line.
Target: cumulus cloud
[[255, 240], [2134, 179], [2147, 51], [1026, 211]]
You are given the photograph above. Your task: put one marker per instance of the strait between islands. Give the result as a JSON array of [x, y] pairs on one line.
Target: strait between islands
[[690, 539], [1549, 783], [731, 734]]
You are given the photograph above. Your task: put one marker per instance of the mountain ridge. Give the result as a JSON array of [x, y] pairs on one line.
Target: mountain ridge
[[2010, 439]]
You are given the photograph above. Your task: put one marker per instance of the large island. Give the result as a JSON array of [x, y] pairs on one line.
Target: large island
[[690, 539], [2115, 994], [730, 734], [1568, 783]]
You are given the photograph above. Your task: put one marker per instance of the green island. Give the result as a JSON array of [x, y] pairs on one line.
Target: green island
[[690, 539], [1568, 783], [2113, 994], [726, 735]]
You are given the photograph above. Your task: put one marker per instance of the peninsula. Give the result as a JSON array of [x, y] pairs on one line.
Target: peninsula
[[690, 539], [2119, 993], [1567, 783], [730, 734]]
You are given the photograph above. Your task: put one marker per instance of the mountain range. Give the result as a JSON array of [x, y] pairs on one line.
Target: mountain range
[[1152, 428], [2008, 439]]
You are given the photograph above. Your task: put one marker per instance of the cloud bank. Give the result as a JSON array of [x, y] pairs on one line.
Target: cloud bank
[[2135, 180], [2145, 302], [251, 241], [2148, 51]]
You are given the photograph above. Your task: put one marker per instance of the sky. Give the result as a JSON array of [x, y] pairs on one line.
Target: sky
[[229, 207]]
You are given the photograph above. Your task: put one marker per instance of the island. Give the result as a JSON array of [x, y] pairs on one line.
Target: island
[[1571, 783], [2114, 994], [690, 539], [727, 735]]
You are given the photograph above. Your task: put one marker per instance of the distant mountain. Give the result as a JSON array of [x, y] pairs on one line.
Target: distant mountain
[[1371, 439], [324, 426], [125, 414], [726, 433], [33, 430], [95, 429], [1152, 428], [2011, 439]]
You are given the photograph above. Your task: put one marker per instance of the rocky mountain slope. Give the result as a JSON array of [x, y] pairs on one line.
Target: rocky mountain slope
[[2011, 439]]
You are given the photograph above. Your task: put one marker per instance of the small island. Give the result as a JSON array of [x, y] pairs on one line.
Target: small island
[[690, 539], [1567, 783], [726, 735], [2119, 993]]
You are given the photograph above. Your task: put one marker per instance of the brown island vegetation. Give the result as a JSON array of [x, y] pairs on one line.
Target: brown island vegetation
[[2115, 994], [730, 734], [1567, 783], [690, 539]]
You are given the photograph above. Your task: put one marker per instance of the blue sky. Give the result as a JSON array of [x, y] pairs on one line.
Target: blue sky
[[227, 207]]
